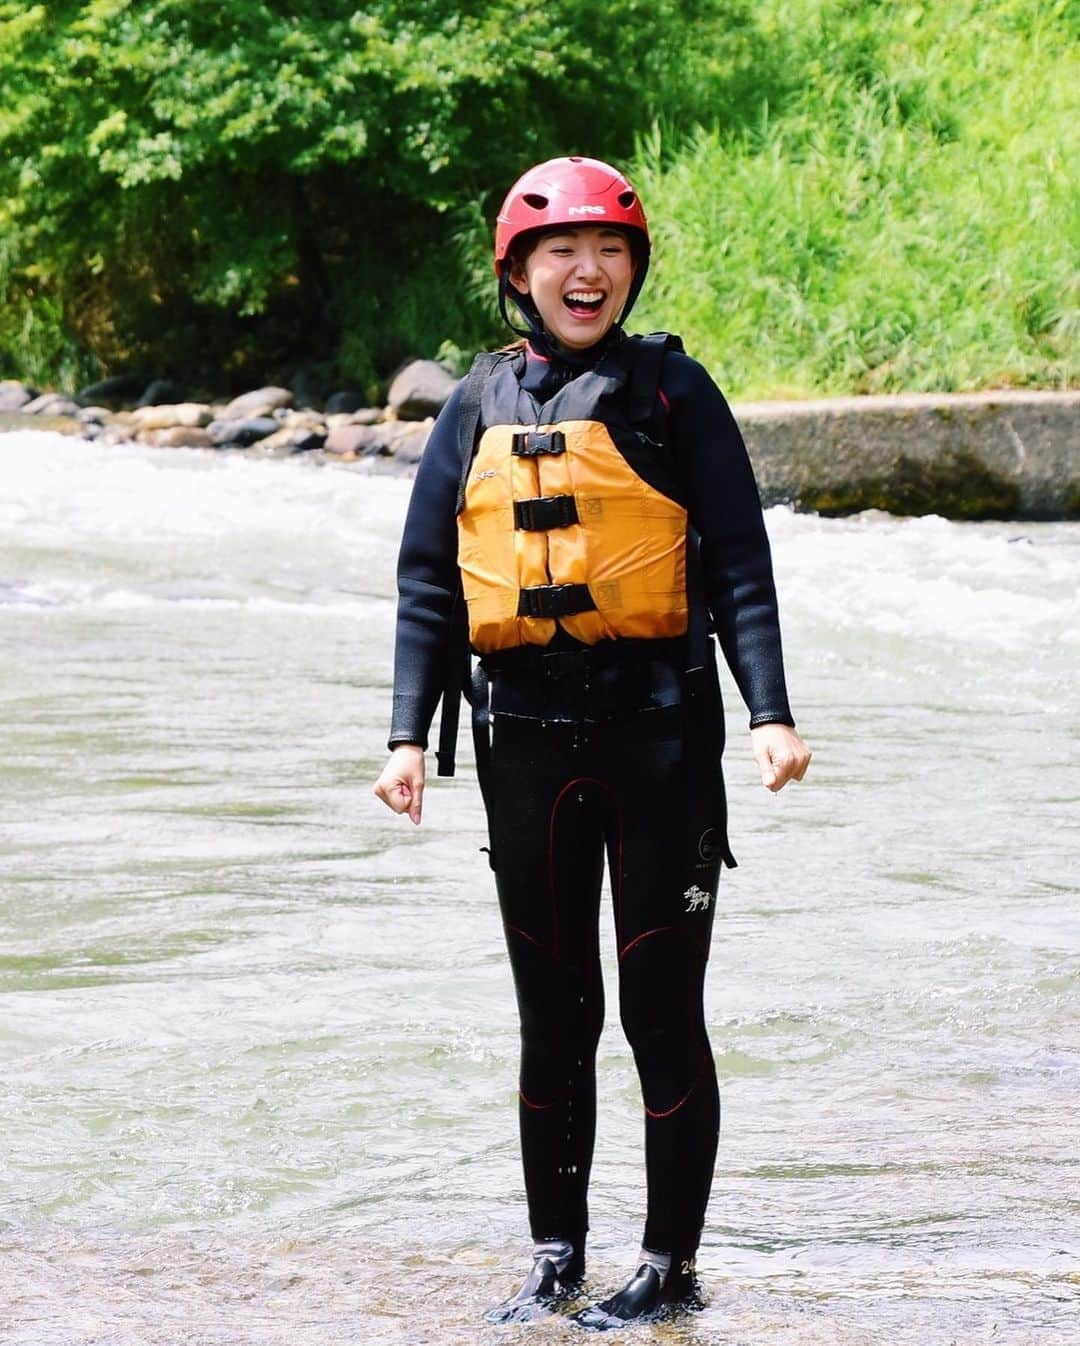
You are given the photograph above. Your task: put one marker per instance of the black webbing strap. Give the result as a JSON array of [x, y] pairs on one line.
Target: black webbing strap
[[645, 379], [697, 619], [555, 600], [479, 699], [456, 677], [472, 390], [545, 511], [454, 683], [531, 443]]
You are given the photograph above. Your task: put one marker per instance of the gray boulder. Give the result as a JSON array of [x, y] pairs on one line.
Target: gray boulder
[[420, 390], [14, 396], [338, 404], [118, 388], [163, 417], [352, 441], [163, 392], [259, 402], [241, 432], [51, 404], [293, 439], [408, 441], [177, 437], [308, 388]]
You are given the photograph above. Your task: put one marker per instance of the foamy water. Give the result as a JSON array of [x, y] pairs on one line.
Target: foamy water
[[257, 1036]]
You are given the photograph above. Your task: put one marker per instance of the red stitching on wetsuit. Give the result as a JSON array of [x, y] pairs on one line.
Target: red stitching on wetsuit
[[664, 399], [536, 1107], [570, 785], [524, 934], [656, 1116], [657, 930]]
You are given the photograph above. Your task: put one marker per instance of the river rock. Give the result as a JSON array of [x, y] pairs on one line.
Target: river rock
[[408, 440], [420, 390], [260, 402], [241, 433], [352, 440], [338, 404], [293, 439], [164, 417], [94, 415], [163, 392], [14, 396], [308, 388], [312, 420], [177, 437], [118, 388], [51, 404]]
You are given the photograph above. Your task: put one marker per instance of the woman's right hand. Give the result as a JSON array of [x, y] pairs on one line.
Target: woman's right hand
[[401, 785]]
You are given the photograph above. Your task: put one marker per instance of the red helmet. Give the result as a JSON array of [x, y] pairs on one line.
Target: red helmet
[[571, 191]]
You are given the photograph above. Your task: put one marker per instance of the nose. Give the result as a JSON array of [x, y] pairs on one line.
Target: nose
[[588, 263]]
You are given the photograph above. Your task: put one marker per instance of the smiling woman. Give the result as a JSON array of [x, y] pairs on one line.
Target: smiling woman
[[586, 512]]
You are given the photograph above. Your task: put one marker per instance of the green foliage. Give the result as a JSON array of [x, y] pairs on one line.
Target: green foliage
[[235, 187], [846, 195], [907, 217]]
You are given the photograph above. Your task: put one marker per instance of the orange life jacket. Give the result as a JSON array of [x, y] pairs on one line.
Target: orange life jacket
[[570, 516]]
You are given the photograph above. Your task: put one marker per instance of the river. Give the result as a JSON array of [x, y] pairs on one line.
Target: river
[[257, 1037]]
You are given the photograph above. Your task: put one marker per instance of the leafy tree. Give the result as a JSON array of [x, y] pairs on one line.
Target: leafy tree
[[232, 188]]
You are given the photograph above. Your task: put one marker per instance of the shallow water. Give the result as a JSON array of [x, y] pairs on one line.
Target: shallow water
[[257, 1035]]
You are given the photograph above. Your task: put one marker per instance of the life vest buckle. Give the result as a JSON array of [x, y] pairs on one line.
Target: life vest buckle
[[545, 511], [555, 600], [531, 443]]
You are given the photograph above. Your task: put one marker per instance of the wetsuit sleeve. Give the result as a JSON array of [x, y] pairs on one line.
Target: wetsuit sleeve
[[726, 511], [428, 579]]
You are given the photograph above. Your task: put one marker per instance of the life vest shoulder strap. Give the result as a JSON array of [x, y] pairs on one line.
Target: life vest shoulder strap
[[458, 660], [472, 391], [647, 371]]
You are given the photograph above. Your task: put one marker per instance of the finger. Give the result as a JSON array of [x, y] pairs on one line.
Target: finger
[[395, 796], [416, 804], [767, 768], [785, 769]]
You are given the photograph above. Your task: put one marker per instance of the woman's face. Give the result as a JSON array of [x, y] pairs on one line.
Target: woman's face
[[579, 280]]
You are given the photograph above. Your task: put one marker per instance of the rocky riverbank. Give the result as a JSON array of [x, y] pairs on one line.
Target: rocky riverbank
[[269, 421], [989, 455]]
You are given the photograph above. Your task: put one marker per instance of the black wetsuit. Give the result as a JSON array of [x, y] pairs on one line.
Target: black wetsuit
[[612, 750]]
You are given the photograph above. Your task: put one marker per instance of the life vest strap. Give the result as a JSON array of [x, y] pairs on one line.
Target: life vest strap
[[555, 600], [545, 511], [531, 443]]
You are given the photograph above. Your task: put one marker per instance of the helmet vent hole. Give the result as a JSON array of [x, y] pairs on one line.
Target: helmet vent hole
[[626, 199], [535, 200]]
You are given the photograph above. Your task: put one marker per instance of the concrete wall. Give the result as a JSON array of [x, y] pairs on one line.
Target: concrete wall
[[966, 455]]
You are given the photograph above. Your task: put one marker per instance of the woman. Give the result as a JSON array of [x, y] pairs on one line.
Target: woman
[[586, 506]]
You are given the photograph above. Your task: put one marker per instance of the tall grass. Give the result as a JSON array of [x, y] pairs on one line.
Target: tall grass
[[907, 218]]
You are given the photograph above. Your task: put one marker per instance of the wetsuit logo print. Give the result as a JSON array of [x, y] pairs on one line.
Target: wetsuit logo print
[[697, 899]]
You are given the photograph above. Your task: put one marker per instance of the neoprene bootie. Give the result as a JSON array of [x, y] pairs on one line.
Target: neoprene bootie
[[557, 1272], [652, 1288]]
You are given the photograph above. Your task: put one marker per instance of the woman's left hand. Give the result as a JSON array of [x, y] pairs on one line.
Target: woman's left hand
[[780, 753]]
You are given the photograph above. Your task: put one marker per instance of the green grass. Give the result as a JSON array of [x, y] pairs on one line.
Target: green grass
[[906, 218]]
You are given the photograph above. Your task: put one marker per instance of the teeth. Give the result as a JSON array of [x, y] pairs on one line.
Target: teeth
[[585, 296]]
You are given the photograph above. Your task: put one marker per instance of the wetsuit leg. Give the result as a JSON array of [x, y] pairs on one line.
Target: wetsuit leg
[[547, 828], [664, 882]]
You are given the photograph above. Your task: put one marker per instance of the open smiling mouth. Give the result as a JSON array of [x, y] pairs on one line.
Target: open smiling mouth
[[584, 303]]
